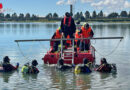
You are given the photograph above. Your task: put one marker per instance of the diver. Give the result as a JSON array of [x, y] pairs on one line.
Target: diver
[[27, 69], [61, 65], [105, 67], [7, 67], [83, 69]]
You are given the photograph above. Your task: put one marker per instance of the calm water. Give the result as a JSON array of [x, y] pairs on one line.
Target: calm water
[[51, 79]]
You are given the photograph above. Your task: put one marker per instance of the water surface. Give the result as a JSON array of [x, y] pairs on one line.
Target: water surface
[[49, 77]]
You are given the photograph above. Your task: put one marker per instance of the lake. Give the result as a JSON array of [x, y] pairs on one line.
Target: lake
[[49, 78]]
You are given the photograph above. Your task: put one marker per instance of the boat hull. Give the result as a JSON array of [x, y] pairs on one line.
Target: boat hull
[[52, 58]]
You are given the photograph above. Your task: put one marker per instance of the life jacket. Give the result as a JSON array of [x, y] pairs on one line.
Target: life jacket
[[77, 35], [77, 69], [104, 68], [86, 33], [25, 69], [58, 34], [34, 70], [69, 21], [68, 41]]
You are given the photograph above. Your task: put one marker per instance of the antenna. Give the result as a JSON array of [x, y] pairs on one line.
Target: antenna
[[71, 9]]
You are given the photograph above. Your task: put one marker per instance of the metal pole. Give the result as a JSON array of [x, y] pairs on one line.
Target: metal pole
[[61, 48], [67, 39], [73, 52]]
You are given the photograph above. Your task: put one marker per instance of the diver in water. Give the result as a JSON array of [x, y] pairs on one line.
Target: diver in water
[[61, 65], [83, 69], [7, 67], [105, 67], [30, 69]]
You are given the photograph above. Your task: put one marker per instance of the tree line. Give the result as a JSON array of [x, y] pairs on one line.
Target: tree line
[[20, 17], [94, 16]]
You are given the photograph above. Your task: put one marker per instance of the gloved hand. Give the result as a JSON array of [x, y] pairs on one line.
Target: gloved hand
[[17, 65], [73, 65]]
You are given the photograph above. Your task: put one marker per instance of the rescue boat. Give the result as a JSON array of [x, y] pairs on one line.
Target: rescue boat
[[69, 56]]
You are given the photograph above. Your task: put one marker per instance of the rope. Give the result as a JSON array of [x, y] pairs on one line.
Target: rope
[[22, 52], [43, 46], [111, 51]]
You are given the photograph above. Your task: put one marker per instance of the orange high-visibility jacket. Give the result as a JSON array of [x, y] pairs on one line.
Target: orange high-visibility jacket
[[58, 34], [77, 35], [86, 33]]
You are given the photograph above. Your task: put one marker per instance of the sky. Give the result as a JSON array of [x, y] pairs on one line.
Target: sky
[[43, 7]]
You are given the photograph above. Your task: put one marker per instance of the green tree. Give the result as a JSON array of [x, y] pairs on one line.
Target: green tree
[[94, 14], [14, 17], [55, 15], [7, 16], [100, 15], [77, 16], [87, 14], [123, 14], [129, 14], [1, 16], [113, 15], [21, 17], [34, 17], [49, 16], [81, 16], [27, 16]]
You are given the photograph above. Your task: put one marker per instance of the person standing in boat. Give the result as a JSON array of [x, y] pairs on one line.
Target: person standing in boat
[[86, 32], [7, 67], [57, 35], [68, 26]]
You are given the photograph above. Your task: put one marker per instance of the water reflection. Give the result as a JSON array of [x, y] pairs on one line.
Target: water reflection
[[67, 80], [6, 76], [83, 82], [28, 77]]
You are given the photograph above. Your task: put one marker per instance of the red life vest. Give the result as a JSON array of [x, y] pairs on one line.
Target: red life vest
[[58, 34], [86, 33], [69, 23]]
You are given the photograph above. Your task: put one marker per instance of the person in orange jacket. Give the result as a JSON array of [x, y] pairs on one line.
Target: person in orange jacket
[[86, 32], [57, 35], [77, 42]]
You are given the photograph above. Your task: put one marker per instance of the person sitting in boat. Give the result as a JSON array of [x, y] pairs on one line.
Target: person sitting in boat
[[104, 66], [86, 32], [83, 69], [57, 35], [77, 42], [26, 69], [77, 36], [7, 67], [61, 65]]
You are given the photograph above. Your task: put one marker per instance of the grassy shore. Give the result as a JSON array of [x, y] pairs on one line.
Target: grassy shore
[[105, 20]]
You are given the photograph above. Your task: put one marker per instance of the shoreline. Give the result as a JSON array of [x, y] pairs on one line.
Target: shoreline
[[60, 21]]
